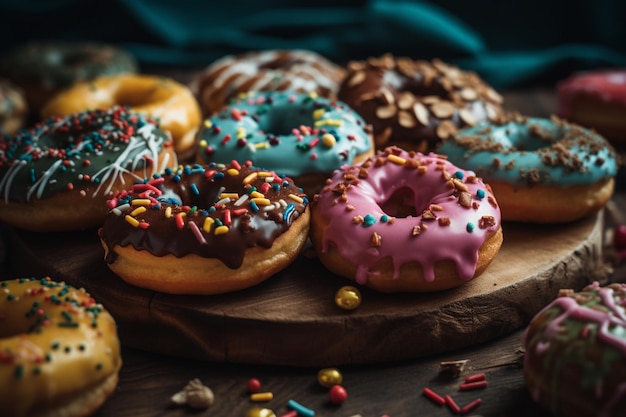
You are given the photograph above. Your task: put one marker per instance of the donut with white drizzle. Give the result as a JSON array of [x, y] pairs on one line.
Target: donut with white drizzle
[[59, 174], [205, 229], [404, 221]]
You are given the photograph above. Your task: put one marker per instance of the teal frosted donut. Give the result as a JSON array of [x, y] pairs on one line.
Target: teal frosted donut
[[541, 170], [300, 135], [59, 174]]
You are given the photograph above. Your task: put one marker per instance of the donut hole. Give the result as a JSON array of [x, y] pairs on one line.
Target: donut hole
[[284, 118], [400, 204]]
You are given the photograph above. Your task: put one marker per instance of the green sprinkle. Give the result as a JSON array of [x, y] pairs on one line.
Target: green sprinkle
[[19, 372], [369, 220], [470, 227]]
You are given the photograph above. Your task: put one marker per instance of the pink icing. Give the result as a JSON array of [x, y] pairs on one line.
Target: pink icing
[[608, 86], [432, 181]]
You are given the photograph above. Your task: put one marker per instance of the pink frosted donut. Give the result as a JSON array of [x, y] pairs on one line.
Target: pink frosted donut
[[404, 221]]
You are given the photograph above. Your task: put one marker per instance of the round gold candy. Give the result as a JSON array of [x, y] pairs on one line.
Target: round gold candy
[[348, 297], [260, 412], [328, 377]]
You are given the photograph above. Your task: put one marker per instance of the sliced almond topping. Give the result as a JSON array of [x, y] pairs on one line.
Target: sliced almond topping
[[406, 100], [356, 79], [443, 109], [446, 129], [383, 137], [468, 94], [406, 119], [467, 117], [385, 112], [421, 113]]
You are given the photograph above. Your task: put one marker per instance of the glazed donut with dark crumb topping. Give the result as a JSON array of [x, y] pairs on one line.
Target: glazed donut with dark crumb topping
[[298, 70], [575, 353], [42, 69], [58, 175], [415, 104], [13, 108], [404, 221], [205, 229], [541, 170]]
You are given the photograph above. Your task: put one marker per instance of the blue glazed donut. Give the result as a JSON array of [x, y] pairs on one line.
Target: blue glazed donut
[[541, 170], [299, 135]]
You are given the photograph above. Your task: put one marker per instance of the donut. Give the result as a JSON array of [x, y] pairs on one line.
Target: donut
[[59, 350], [205, 229], [596, 99], [575, 353], [300, 135], [541, 170], [161, 98], [42, 69], [269, 70], [13, 108], [415, 104], [405, 222], [58, 175]]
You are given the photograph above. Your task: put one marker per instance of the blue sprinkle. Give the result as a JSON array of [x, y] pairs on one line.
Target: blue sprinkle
[[168, 171], [176, 178], [470, 227], [187, 170], [32, 175], [212, 209], [288, 210], [459, 175], [300, 409], [480, 194], [384, 218], [157, 207], [194, 189], [369, 220], [218, 175], [276, 187], [254, 207]]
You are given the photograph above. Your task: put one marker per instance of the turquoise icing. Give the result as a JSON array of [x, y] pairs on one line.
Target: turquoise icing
[[536, 150], [284, 132]]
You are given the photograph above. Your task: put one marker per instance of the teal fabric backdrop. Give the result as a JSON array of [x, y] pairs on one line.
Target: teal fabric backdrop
[[509, 43]]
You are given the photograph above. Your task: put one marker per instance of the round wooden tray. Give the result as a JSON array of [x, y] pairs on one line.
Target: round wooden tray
[[291, 319]]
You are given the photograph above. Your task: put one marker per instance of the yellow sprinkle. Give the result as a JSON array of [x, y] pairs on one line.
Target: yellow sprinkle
[[256, 194], [396, 159], [203, 143], [133, 221], [318, 113], [140, 202], [229, 195], [261, 396], [208, 222], [138, 210], [233, 172], [296, 198], [329, 140], [208, 123], [182, 214], [312, 94], [261, 145], [168, 212], [221, 230], [250, 178], [265, 174], [261, 201], [329, 122], [241, 132]]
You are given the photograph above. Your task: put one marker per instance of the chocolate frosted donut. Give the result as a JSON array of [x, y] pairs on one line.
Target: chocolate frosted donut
[[272, 70], [42, 69], [416, 104], [205, 229]]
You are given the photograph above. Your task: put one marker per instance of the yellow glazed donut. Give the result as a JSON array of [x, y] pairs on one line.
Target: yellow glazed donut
[[160, 98], [59, 350]]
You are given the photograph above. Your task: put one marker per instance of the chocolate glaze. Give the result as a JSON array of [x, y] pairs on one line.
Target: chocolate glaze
[[195, 190]]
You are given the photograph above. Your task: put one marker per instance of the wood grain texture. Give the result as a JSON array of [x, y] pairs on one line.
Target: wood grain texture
[[291, 319]]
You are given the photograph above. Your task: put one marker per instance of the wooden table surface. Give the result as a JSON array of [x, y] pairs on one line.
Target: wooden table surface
[[148, 380]]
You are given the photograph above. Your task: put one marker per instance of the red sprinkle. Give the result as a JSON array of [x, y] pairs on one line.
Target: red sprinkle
[[254, 385], [433, 396], [452, 405], [473, 385], [337, 394], [471, 406], [476, 377], [292, 413], [227, 218], [180, 222], [235, 165]]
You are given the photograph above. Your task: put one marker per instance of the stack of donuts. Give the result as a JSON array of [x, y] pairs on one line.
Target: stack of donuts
[[399, 171]]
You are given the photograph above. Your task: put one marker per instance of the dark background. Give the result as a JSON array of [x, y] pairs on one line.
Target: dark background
[[509, 43]]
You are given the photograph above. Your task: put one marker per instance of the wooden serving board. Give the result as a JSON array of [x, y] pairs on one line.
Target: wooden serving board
[[291, 319]]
